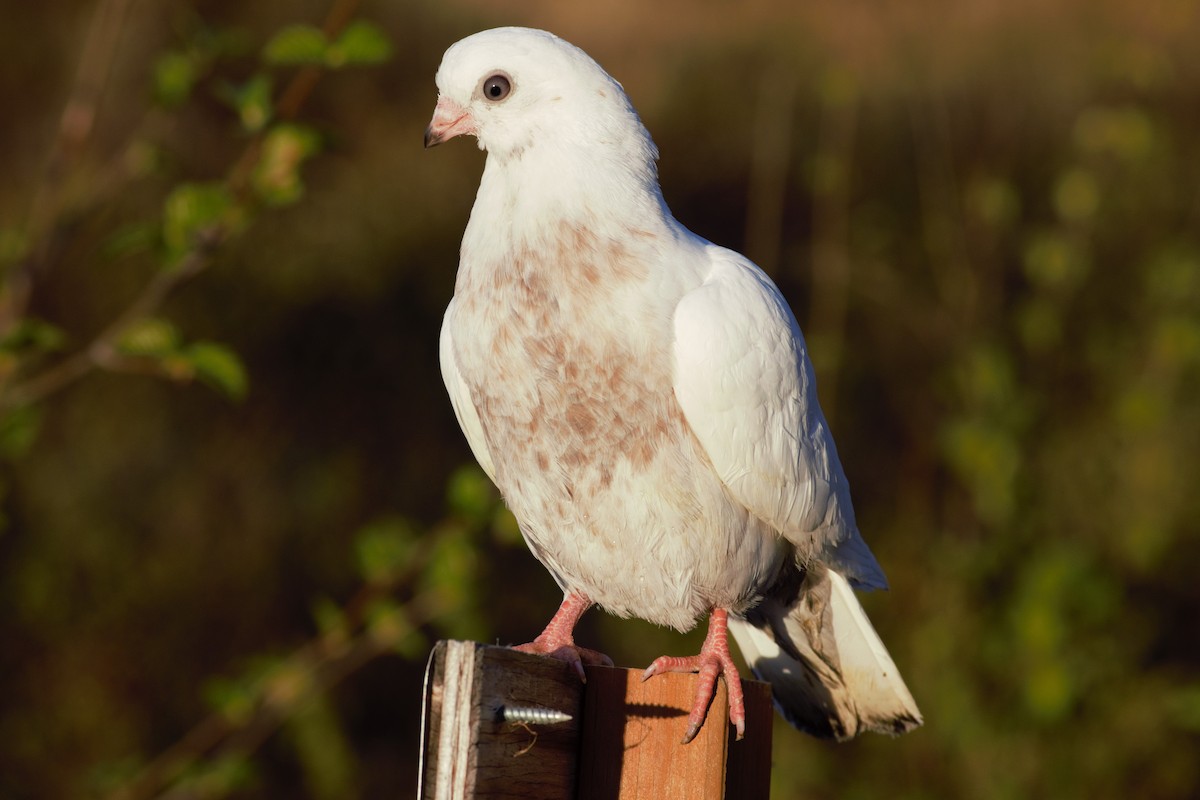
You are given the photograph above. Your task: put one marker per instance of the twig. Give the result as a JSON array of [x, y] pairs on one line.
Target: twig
[[216, 734], [78, 118], [76, 124], [330, 658], [293, 96], [102, 351]]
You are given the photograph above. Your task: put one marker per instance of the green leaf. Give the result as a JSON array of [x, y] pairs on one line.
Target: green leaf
[[32, 335], [384, 549], [219, 367], [505, 528], [318, 735], [387, 623], [151, 337], [470, 493], [361, 42], [235, 700], [193, 210], [276, 176], [451, 584], [175, 75], [14, 245], [251, 101], [330, 618], [296, 44], [18, 431]]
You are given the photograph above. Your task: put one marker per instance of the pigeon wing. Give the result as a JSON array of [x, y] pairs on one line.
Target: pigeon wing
[[745, 384], [460, 399]]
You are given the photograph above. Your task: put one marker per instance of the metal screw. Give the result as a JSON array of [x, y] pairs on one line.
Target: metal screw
[[532, 715]]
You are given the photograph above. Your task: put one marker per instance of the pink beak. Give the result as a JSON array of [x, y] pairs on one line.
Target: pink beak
[[449, 120]]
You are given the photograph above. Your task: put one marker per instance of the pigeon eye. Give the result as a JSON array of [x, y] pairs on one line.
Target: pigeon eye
[[496, 87]]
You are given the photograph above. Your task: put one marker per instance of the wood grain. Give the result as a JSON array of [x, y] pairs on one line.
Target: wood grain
[[622, 743], [632, 734], [469, 752]]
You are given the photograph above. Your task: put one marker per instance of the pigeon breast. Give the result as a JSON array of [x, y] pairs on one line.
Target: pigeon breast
[[565, 350]]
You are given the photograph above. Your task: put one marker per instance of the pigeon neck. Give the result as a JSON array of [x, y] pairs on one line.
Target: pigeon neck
[[521, 195]]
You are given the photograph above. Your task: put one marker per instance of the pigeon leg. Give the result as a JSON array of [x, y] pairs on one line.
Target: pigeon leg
[[558, 640], [714, 660]]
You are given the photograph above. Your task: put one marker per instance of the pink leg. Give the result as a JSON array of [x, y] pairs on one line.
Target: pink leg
[[558, 640], [714, 659]]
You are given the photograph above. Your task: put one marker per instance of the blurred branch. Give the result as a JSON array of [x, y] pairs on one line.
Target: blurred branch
[[292, 99], [77, 122], [219, 736], [102, 352], [323, 663], [75, 126]]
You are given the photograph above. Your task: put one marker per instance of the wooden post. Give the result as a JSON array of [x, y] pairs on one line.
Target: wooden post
[[622, 742]]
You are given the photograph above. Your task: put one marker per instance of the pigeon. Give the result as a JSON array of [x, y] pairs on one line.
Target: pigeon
[[644, 401]]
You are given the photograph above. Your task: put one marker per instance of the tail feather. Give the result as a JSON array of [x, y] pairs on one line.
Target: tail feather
[[829, 671]]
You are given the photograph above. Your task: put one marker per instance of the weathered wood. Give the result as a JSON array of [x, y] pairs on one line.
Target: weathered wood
[[468, 751], [623, 742], [632, 734]]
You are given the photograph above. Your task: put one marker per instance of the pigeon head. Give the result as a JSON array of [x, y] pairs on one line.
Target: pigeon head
[[519, 89]]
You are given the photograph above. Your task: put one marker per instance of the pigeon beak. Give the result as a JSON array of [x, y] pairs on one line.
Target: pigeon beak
[[449, 120]]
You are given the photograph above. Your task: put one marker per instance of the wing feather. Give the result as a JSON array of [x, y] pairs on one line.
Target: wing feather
[[745, 383], [460, 399]]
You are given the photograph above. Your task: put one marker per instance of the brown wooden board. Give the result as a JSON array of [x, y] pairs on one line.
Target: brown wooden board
[[623, 740]]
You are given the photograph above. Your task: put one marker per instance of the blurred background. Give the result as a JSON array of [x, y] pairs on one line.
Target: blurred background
[[237, 510]]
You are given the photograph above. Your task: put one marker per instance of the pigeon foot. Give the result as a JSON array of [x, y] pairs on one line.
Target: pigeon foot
[[558, 640], [714, 659]]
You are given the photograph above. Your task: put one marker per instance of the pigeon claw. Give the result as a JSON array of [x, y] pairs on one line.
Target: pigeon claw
[[568, 652], [714, 659], [558, 640]]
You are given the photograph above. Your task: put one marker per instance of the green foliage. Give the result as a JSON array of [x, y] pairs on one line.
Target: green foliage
[[150, 338], [14, 246], [296, 44], [193, 212], [160, 342], [385, 549], [251, 100], [285, 148], [389, 625], [31, 336], [470, 493], [235, 700], [218, 366], [325, 755], [18, 432], [360, 43], [450, 584], [175, 75]]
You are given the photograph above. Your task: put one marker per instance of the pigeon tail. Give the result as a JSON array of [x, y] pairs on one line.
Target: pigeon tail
[[829, 672]]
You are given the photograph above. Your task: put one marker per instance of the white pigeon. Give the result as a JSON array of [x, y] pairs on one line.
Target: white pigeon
[[644, 402]]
